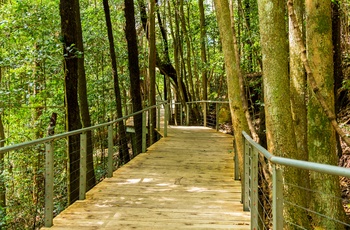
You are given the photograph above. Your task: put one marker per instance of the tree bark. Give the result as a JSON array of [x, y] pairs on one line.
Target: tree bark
[[279, 124], [68, 11], [134, 71], [298, 104], [152, 71], [239, 121], [123, 142], [2, 180], [321, 134], [203, 38], [84, 105]]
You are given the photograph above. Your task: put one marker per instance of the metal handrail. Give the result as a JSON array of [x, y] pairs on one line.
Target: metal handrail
[[317, 167], [49, 153], [71, 133], [250, 179]]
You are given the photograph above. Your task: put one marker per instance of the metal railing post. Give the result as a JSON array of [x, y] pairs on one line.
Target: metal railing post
[[187, 114], [82, 162], [254, 202], [236, 166], [205, 114], [246, 172], [181, 115], [217, 116], [166, 117], [158, 118], [49, 184], [277, 198], [144, 127], [110, 152]]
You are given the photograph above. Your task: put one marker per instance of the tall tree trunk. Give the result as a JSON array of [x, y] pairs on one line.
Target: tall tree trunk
[[123, 150], [2, 180], [203, 50], [84, 105], [68, 11], [152, 70], [239, 121], [321, 134], [279, 124], [134, 71], [298, 105]]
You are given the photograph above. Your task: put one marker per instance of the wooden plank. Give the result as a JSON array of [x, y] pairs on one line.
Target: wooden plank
[[184, 181]]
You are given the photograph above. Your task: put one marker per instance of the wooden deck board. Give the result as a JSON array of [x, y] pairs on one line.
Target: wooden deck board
[[184, 181]]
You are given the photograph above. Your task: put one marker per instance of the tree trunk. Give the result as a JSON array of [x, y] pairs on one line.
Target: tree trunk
[[134, 71], [84, 105], [279, 124], [123, 142], [152, 71], [203, 50], [68, 11], [2, 180], [298, 105], [239, 121], [321, 134]]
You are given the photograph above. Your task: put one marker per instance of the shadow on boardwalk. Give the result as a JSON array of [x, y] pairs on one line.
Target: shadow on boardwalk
[[183, 181]]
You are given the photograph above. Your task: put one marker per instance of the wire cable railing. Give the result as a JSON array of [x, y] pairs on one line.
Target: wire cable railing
[[266, 200], [46, 174]]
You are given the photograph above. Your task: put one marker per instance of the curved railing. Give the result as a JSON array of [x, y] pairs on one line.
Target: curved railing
[[50, 165]]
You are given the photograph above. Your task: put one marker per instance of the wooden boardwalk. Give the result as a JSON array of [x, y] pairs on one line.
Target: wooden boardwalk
[[183, 181]]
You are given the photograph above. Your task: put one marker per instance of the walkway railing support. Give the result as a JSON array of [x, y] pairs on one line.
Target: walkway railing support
[[277, 198], [205, 114], [217, 116], [254, 203], [49, 184], [245, 186], [187, 114], [110, 151], [144, 127], [82, 162], [166, 117], [158, 118]]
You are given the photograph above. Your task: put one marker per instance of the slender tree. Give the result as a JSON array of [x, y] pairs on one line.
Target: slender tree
[[239, 121], [134, 70], [152, 69], [83, 103], [2, 181], [68, 11], [123, 151], [203, 50]]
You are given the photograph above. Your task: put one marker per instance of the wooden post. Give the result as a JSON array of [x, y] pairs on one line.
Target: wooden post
[[110, 151], [82, 178], [48, 184], [144, 127]]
